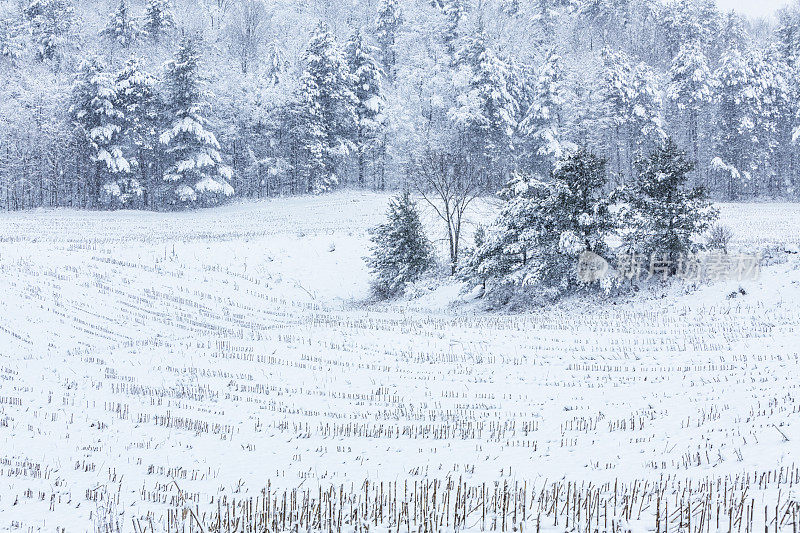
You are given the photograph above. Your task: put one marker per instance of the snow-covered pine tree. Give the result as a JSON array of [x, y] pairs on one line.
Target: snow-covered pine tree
[[663, 216], [733, 32], [503, 256], [137, 98], [97, 122], [541, 128], [646, 120], [605, 17], [390, 19], [400, 251], [328, 105], [616, 96], [195, 173], [543, 228], [11, 44], [779, 100], [486, 111], [122, 28], [453, 11], [632, 108], [158, 18], [52, 23], [545, 15], [691, 89], [709, 22], [680, 24], [369, 104], [573, 218], [788, 33], [737, 135]]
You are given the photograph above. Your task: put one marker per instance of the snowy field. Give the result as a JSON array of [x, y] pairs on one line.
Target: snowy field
[[151, 362]]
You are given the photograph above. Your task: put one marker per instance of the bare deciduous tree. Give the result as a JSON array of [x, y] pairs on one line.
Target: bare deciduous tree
[[247, 31], [449, 183]]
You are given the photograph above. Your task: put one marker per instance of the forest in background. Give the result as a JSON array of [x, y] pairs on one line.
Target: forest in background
[[160, 104]]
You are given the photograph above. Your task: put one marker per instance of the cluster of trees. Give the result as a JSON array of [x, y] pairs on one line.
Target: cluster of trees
[[141, 142], [303, 97], [547, 225]]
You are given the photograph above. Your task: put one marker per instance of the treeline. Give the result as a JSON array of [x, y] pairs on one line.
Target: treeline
[[150, 103]]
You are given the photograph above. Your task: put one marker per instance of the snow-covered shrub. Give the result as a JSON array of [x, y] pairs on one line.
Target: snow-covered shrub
[[719, 237]]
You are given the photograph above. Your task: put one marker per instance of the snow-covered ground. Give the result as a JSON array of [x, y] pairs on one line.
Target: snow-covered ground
[[227, 348]]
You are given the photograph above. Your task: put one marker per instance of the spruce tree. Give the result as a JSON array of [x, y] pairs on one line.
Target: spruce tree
[[788, 34], [158, 18], [328, 105], [11, 44], [664, 216], [691, 89], [647, 124], [453, 11], [122, 28], [98, 120], [541, 128], [504, 253], [195, 173], [738, 115], [400, 251], [369, 104], [390, 19], [486, 111], [544, 226], [52, 23], [138, 99], [616, 96]]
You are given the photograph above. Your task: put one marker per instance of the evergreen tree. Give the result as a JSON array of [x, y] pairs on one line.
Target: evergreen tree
[[11, 45], [369, 104], [734, 34], [97, 121], [122, 28], [158, 18], [738, 112], [780, 101], [328, 107], [544, 226], [632, 107], [788, 34], [195, 172], [617, 94], [137, 99], [453, 11], [545, 16], [680, 24], [691, 89], [390, 19], [663, 216], [505, 252], [645, 110], [541, 128], [486, 111], [52, 23], [400, 253]]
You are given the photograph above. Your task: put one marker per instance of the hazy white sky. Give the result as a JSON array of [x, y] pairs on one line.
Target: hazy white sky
[[755, 8]]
